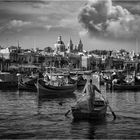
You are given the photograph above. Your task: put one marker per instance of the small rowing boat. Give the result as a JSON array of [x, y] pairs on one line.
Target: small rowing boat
[[83, 113]]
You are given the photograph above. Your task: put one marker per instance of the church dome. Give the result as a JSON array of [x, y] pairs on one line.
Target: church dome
[[60, 46], [59, 40]]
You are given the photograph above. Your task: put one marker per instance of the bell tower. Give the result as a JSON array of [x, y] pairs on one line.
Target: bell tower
[[70, 46], [80, 46]]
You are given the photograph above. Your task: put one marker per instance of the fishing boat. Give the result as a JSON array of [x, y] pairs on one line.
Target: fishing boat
[[125, 87], [131, 82], [82, 113], [81, 82], [28, 85], [8, 81], [79, 79], [47, 89]]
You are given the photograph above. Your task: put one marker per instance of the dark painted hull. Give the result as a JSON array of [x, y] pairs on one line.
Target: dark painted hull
[[50, 90], [98, 113], [125, 87], [27, 87], [8, 85], [81, 82]]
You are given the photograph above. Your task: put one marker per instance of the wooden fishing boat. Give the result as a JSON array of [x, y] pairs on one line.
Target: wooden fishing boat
[[79, 79], [81, 82], [125, 87], [27, 84], [99, 112], [8, 85], [46, 89], [8, 81]]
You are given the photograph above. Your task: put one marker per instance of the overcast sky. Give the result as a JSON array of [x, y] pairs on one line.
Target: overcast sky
[[101, 24]]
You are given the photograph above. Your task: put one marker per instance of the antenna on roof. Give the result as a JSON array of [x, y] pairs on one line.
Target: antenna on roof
[[34, 45]]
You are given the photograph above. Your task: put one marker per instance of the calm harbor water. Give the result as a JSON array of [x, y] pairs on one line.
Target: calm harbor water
[[23, 116]]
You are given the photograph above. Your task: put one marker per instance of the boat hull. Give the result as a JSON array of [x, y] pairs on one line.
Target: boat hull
[[50, 90], [24, 86], [81, 82], [8, 81], [125, 87], [98, 113], [8, 85]]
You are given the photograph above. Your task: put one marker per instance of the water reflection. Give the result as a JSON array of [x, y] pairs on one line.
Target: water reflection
[[125, 103], [89, 129], [55, 104]]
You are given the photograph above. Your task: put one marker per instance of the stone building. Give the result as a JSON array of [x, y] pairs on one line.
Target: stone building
[[59, 46]]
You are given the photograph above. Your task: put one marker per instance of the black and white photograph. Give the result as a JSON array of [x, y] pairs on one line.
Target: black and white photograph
[[70, 69]]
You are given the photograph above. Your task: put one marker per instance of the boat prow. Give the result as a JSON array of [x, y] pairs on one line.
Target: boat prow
[[99, 112]]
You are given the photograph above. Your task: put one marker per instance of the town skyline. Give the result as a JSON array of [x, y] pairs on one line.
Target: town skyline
[[40, 23]]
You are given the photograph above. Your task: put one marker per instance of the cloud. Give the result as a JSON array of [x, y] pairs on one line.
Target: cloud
[[14, 25], [18, 23], [69, 22], [101, 18], [83, 33], [65, 23], [48, 27], [43, 18]]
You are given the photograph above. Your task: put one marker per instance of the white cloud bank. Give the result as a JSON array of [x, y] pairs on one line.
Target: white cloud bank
[[101, 18]]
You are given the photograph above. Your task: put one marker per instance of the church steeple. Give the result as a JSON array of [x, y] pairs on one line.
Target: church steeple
[[70, 41], [70, 46], [80, 46], [80, 42]]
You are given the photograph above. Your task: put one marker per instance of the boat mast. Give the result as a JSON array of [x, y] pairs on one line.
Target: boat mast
[[136, 45], [51, 72]]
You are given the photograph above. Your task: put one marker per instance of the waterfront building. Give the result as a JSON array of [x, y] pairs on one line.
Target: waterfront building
[[5, 53], [4, 59], [48, 50], [30, 58], [88, 62], [14, 51], [4, 64], [74, 60]]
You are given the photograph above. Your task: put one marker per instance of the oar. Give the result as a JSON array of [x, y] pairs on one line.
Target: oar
[[112, 111], [67, 113], [110, 108]]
